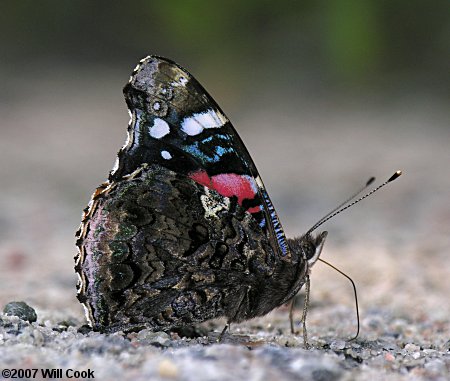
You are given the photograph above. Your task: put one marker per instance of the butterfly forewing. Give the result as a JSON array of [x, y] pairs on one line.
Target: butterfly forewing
[[176, 123]]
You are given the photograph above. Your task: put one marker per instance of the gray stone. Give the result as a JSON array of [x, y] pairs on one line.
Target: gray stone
[[337, 345], [21, 310]]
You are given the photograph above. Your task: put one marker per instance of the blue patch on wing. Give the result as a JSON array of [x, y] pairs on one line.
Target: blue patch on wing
[[263, 221], [195, 151], [278, 230], [222, 150], [211, 155]]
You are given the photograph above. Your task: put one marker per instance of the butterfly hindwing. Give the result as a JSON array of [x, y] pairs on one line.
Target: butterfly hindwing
[[161, 250]]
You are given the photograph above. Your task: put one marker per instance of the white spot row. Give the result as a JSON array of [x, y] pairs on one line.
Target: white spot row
[[166, 155], [159, 129], [195, 124]]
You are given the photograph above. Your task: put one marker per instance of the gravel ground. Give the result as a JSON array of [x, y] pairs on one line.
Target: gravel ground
[[395, 246], [391, 348]]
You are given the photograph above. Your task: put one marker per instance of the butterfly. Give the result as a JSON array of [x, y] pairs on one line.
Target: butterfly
[[183, 230]]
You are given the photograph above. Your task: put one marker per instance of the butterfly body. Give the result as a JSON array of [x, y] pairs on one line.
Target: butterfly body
[[183, 231]]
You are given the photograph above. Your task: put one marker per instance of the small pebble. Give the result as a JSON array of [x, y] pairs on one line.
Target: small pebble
[[416, 355], [389, 357], [84, 329], [337, 345], [21, 310], [168, 369], [293, 341], [412, 348], [149, 337]]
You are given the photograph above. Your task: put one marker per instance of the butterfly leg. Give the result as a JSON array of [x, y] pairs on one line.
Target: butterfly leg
[[291, 315], [305, 311], [245, 297], [227, 327]]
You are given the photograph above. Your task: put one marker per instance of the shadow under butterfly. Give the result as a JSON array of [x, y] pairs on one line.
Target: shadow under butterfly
[[183, 230]]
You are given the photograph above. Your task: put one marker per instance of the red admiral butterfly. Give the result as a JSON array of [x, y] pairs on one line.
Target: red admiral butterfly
[[183, 231]]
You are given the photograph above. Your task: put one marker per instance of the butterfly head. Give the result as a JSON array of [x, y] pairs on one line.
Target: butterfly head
[[308, 246]]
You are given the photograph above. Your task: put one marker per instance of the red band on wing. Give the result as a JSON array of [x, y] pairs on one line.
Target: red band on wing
[[254, 209], [229, 184], [202, 178]]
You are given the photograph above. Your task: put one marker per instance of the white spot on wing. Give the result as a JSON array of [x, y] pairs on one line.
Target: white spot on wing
[[166, 155], [195, 124], [159, 129], [208, 119], [191, 127]]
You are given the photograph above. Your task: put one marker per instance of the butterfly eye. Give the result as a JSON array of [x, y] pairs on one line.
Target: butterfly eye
[[309, 249]]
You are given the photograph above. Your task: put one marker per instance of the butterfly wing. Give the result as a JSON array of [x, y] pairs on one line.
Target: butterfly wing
[[176, 123], [183, 230], [159, 250]]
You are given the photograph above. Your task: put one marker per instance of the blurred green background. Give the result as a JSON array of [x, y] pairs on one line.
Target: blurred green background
[[324, 94], [365, 44]]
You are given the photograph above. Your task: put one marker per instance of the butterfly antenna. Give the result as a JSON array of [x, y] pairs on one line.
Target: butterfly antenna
[[341, 207], [368, 182], [354, 291]]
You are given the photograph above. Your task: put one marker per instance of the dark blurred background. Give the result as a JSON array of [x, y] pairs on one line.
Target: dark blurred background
[[324, 93], [318, 44]]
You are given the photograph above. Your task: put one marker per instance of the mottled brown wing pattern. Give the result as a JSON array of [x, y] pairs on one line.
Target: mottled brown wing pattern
[[159, 250]]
